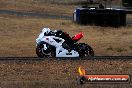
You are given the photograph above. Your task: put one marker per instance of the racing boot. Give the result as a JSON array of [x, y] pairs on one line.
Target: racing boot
[[67, 47]]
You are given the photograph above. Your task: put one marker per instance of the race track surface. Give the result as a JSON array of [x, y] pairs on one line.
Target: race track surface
[[63, 58], [50, 73], [44, 15], [35, 14]]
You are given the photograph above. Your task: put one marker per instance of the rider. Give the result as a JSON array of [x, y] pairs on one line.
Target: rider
[[59, 33]]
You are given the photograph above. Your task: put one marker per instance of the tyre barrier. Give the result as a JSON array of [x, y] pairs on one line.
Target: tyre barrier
[[101, 17]]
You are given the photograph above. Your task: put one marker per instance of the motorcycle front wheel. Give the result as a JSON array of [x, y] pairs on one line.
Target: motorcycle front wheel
[[41, 52]]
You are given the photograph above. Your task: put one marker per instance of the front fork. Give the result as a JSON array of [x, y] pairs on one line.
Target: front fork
[[45, 47]]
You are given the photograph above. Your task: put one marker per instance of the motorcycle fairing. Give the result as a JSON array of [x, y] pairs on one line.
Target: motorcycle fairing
[[50, 40], [60, 51]]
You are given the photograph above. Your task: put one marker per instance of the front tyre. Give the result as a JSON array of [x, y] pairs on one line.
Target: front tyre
[[48, 52]]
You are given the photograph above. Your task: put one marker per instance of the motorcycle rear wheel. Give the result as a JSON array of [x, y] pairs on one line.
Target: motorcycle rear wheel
[[85, 50]]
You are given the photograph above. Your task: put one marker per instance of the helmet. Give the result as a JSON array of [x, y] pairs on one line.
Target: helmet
[[46, 31], [58, 32]]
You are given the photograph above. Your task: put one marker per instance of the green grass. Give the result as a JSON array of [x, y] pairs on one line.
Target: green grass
[[120, 49], [110, 48], [130, 47]]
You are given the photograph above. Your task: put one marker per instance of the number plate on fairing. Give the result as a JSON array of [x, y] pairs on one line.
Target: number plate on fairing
[[68, 53]]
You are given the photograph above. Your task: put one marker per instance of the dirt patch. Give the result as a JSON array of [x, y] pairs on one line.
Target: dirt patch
[[36, 6], [18, 36], [59, 73]]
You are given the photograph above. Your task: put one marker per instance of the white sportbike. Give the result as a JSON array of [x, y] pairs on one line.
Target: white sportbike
[[60, 44]]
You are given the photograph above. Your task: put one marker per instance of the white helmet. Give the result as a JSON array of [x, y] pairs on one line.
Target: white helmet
[[46, 30]]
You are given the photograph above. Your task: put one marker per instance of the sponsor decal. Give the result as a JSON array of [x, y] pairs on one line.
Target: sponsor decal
[[83, 78], [68, 53]]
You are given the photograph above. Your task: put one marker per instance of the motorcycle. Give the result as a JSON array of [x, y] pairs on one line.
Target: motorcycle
[[60, 44]]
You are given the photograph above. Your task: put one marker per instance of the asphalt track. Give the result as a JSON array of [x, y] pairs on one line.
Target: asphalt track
[[85, 58], [44, 15], [35, 14]]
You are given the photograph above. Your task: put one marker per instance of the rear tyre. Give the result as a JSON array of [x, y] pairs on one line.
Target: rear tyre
[[89, 51], [85, 50], [41, 52]]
